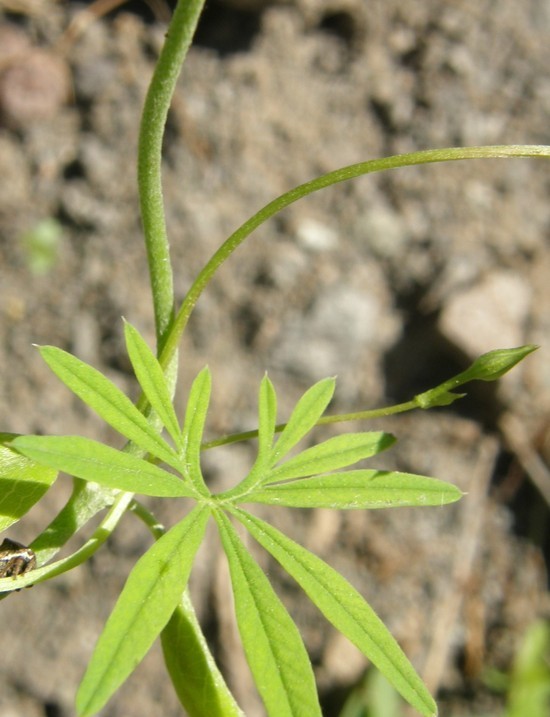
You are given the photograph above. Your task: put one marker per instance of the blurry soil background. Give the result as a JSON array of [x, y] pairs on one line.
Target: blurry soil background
[[392, 282]]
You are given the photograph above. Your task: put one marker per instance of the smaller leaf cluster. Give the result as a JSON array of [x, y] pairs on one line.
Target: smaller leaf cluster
[[312, 479]]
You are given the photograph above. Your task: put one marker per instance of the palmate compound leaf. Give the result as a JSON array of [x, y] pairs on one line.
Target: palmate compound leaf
[[93, 461], [274, 649], [152, 381], [345, 608], [153, 590], [108, 402], [359, 489]]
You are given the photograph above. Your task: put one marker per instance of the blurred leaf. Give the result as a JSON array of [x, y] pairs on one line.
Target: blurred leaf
[[42, 243], [529, 693], [22, 482], [373, 697]]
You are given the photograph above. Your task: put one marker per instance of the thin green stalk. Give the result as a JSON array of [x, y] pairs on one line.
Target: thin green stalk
[[325, 420], [153, 121], [148, 518], [326, 180]]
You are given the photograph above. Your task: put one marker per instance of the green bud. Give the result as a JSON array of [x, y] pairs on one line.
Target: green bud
[[494, 364], [487, 367]]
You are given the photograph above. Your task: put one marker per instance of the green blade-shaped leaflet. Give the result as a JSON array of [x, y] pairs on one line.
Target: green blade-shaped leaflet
[[193, 428], [345, 608], [336, 452], [361, 489], [108, 401], [267, 416], [152, 381], [305, 415], [150, 596], [273, 646], [91, 460]]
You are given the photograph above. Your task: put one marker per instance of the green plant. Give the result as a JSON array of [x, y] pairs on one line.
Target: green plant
[[373, 697], [529, 684], [154, 600], [42, 244], [527, 687]]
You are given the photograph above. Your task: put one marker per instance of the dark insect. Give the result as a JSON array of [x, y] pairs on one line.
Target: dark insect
[[15, 559]]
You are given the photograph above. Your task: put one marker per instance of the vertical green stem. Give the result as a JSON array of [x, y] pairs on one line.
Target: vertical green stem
[[178, 39]]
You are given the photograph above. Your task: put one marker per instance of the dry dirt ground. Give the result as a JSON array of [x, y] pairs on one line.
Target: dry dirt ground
[[392, 283]]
